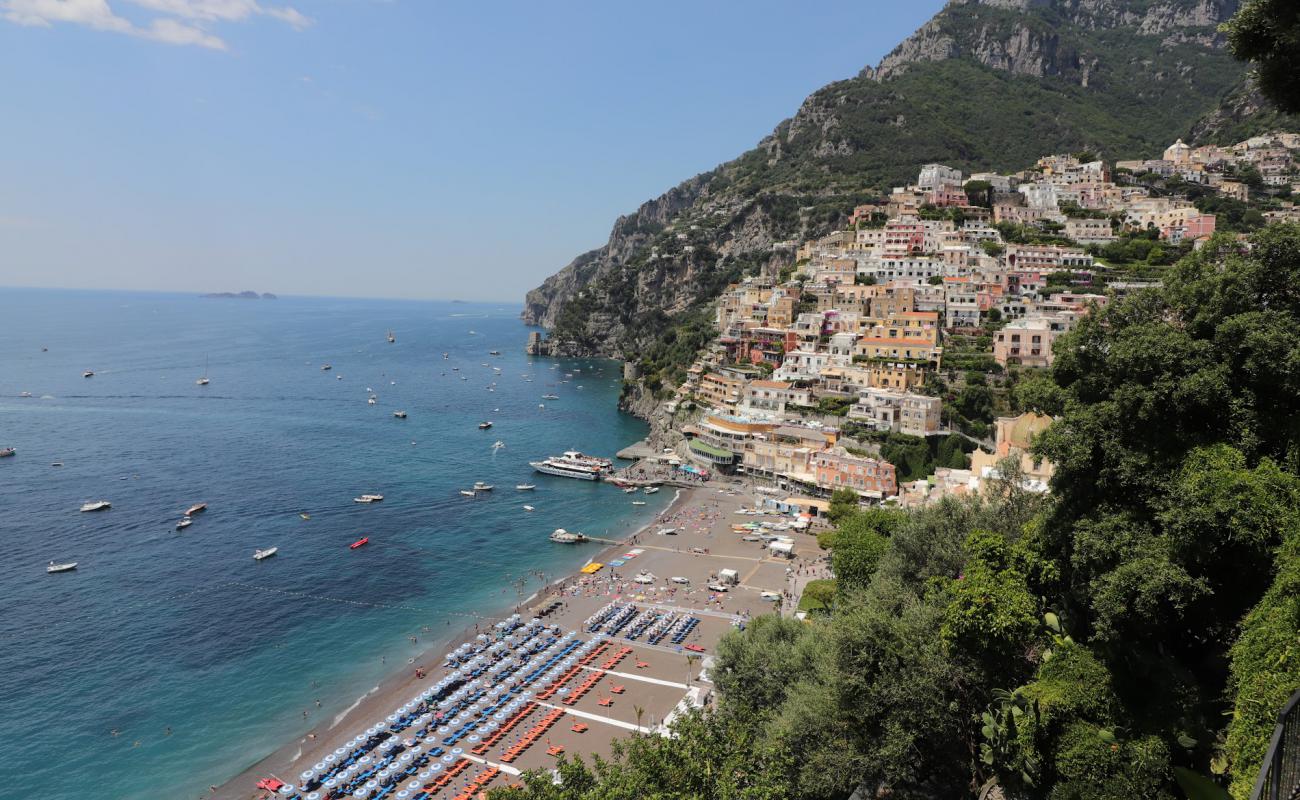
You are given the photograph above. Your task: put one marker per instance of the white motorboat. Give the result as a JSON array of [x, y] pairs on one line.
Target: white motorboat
[[88, 374], [258, 555], [325, 367], [561, 536], [184, 523], [638, 502], [195, 509], [7, 452], [529, 508], [550, 397], [24, 394], [494, 352], [202, 382], [68, 567], [630, 490], [651, 489], [468, 492], [525, 487], [498, 444], [399, 414], [370, 401], [368, 498], [480, 486], [96, 505], [485, 425]]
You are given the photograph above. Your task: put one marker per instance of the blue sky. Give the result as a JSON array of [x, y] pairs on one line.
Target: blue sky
[[385, 148]]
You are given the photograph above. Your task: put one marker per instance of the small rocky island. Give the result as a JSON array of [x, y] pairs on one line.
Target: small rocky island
[[241, 296]]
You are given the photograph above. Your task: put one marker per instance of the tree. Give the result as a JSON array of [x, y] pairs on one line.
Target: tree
[[844, 501], [859, 544], [1267, 34]]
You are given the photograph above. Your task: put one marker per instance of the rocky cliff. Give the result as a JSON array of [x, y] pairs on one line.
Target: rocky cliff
[[985, 84]]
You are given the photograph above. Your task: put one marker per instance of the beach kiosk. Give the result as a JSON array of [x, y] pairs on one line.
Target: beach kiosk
[[728, 576]]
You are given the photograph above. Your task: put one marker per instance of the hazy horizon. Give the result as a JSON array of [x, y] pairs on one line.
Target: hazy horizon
[[358, 148]]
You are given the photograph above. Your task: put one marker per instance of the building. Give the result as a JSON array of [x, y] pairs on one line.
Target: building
[[837, 469], [1089, 231], [898, 412], [1013, 437], [721, 390], [1025, 342]]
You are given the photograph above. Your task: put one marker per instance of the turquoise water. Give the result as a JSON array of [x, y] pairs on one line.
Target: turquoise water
[[158, 629]]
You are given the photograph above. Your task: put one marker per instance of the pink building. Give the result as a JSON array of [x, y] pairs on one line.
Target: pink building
[[836, 469]]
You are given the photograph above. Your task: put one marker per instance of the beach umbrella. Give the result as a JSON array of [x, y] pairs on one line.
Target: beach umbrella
[[364, 760], [306, 775], [448, 759], [435, 767], [313, 796], [330, 758]]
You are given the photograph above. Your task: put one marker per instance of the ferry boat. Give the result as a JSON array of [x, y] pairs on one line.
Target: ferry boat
[[258, 555], [561, 536], [196, 508], [7, 452], [368, 498], [96, 505], [363, 541], [68, 567], [184, 523], [574, 465]]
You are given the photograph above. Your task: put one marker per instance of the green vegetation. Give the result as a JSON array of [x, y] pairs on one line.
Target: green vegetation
[[1140, 623], [914, 457], [1265, 32]]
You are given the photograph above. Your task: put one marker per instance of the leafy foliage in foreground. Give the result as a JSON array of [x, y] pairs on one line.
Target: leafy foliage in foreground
[[1141, 623]]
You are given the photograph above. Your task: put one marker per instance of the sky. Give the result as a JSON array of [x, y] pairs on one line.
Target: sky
[[381, 148]]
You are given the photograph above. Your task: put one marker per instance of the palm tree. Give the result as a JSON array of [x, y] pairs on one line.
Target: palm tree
[[640, 712], [691, 660]]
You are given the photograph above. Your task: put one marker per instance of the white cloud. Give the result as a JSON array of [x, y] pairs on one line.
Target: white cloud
[[178, 22]]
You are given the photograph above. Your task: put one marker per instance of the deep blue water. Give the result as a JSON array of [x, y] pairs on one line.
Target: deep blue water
[[161, 629]]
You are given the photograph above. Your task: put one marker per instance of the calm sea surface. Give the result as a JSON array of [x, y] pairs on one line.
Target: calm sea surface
[[158, 629]]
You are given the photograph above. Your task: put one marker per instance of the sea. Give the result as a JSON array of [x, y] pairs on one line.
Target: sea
[[169, 661]]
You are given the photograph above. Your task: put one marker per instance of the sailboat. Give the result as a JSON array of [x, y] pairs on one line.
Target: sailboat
[[391, 337], [204, 380]]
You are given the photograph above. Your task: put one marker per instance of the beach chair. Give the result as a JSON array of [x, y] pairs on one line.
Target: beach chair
[[606, 702], [642, 665], [579, 727], [617, 689]]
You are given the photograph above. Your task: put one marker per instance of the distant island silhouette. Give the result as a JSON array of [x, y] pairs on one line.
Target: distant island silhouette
[[241, 296]]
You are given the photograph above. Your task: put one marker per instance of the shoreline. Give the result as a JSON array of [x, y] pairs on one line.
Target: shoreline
[[402, 682]]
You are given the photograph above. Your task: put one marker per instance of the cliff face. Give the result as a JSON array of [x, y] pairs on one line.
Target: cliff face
[[985, 84]]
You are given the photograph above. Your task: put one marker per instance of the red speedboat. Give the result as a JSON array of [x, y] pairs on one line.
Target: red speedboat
[[360, 542]]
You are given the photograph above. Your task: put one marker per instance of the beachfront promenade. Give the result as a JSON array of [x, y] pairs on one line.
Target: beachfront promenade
[[611, 653]]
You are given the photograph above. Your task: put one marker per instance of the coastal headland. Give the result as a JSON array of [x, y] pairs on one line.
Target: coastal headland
[[633, 686]]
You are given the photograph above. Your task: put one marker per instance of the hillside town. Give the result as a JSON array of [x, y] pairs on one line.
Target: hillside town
[[904, 331]]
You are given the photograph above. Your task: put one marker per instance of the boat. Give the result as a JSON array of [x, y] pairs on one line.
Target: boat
[[529, 508], [480, 486], [638, 502], [370, 400], [574, 465], [68, 567], [56, 464], [651, 489], [258, 555], [24, 394], [184, 523], [550, 397], [325, 367], [195, 509], [88, 374], [399, 414], [305, 516], [561, 536], [7, 452], [364, 540], [444, 355], [468, 492], [498, 444], [630, 490], [525, 487], [368, 498], [391, 337], [203, 381], [484, 425], [96, 505], [494, 352]]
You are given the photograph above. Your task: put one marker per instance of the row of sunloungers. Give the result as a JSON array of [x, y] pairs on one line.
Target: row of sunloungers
[[498, 734], [533, 735], [475, 786]]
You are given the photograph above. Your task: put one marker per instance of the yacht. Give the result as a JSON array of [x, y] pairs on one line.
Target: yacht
[[480, 486], [7, 452], [484, 425], [184, 523], [399, 414], [68, 567], [195, 509], [88, 374], [96, 505], [368, 498], [525, 487], [203, 381], [561, 536], [391, 337], [574, 465], [258, 555]]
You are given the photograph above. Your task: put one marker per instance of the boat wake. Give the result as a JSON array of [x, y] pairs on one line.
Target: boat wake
[[342, 715]]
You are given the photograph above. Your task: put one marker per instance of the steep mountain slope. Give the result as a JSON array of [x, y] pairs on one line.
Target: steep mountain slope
[[985, 84]]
